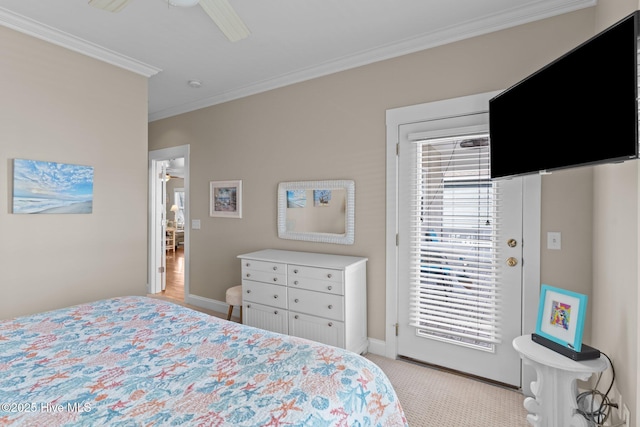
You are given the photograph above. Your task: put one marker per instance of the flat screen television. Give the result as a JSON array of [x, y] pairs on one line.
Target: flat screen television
[[581, 109]]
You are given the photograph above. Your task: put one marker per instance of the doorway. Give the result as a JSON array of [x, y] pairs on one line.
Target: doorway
[[174, 242], [435, 279], [169, 233]]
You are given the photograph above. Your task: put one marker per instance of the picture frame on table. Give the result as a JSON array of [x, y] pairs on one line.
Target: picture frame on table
[[225, 199], [561, 315]]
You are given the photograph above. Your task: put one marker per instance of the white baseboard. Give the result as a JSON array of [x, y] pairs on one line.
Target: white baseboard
[[210, 304], [377, 347]]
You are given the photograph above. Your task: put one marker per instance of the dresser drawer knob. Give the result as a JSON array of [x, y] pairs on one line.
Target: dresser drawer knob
[[248, 264], [248, 275], [275, 279], [329, 287], [330, 306], [296, 317], [329, 275], [296, 300], [275, 312], [275, 296], [295, 271], [295, 282], [275, 267], [330, 324], [248, 305], [248, 291]]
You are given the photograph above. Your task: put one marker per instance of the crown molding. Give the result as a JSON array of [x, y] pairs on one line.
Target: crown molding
[[476, 27], [479, 26], [43, 32]]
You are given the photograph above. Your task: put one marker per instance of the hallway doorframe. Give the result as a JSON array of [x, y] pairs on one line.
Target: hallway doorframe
[[154, 242]]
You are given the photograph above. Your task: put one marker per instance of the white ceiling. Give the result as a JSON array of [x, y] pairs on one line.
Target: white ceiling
[[290, 41]]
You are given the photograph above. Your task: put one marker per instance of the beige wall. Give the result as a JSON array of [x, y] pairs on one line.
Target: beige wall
[[334, 128], [60, 106], [615, 255], [615, 276], [567, 208]]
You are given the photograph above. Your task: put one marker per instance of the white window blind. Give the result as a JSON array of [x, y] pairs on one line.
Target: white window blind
[[454, 269]]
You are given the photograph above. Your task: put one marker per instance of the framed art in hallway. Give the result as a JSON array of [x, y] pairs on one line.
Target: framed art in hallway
[[225, 199], [561, 316], [41, 187]]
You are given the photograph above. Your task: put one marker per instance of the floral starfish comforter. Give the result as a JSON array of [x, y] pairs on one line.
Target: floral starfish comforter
[[138, 361]]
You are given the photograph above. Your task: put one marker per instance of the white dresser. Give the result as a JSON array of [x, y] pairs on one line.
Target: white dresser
[[320, 297]]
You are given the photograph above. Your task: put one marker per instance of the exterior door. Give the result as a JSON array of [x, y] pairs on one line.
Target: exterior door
[[459, 251]]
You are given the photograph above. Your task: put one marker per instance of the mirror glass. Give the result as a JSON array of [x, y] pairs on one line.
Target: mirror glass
[[317, 211]]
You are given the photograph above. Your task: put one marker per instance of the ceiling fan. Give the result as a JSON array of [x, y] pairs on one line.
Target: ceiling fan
[[220, 11]]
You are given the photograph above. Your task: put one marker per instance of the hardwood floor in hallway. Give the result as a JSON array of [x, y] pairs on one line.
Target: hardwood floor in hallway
[[174, 288]]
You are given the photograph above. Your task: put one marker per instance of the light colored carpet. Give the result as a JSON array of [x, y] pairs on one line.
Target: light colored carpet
[[431, 397]]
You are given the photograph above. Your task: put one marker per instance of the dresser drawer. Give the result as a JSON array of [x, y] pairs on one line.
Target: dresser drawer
[[263, 266], [264, 293], [315, 328], [264, 277], [261, 271], [317, 304], [265, 317], [315, 279]]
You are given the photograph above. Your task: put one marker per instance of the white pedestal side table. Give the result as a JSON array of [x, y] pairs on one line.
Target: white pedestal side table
[[556, 388]]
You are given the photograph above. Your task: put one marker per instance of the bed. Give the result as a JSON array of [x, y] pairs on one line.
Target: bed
[[140, 361]]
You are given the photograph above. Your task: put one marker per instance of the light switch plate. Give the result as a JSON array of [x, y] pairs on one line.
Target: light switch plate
[[195, 224], [554, 240]]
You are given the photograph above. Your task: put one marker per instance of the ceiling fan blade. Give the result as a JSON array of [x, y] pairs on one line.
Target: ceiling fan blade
[[226, 19], [110, 5]]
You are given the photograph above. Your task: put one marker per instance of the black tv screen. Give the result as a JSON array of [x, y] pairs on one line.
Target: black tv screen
[[581, 109]]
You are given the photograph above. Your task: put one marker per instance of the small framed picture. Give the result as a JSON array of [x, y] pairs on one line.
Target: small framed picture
[[561, 316], [296, 199], [321, 197], [225, 199]]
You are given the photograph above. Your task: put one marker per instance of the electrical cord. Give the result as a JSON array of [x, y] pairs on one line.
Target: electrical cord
[[598, 409]]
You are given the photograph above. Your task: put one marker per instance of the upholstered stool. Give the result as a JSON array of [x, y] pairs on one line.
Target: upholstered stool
[[234, 297]]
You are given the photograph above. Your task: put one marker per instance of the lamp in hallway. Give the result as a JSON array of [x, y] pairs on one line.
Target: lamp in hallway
[[174, 209]]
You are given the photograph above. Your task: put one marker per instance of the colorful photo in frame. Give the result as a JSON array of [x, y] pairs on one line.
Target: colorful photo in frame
[[225, 199], [561, 316], [51, 188]]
